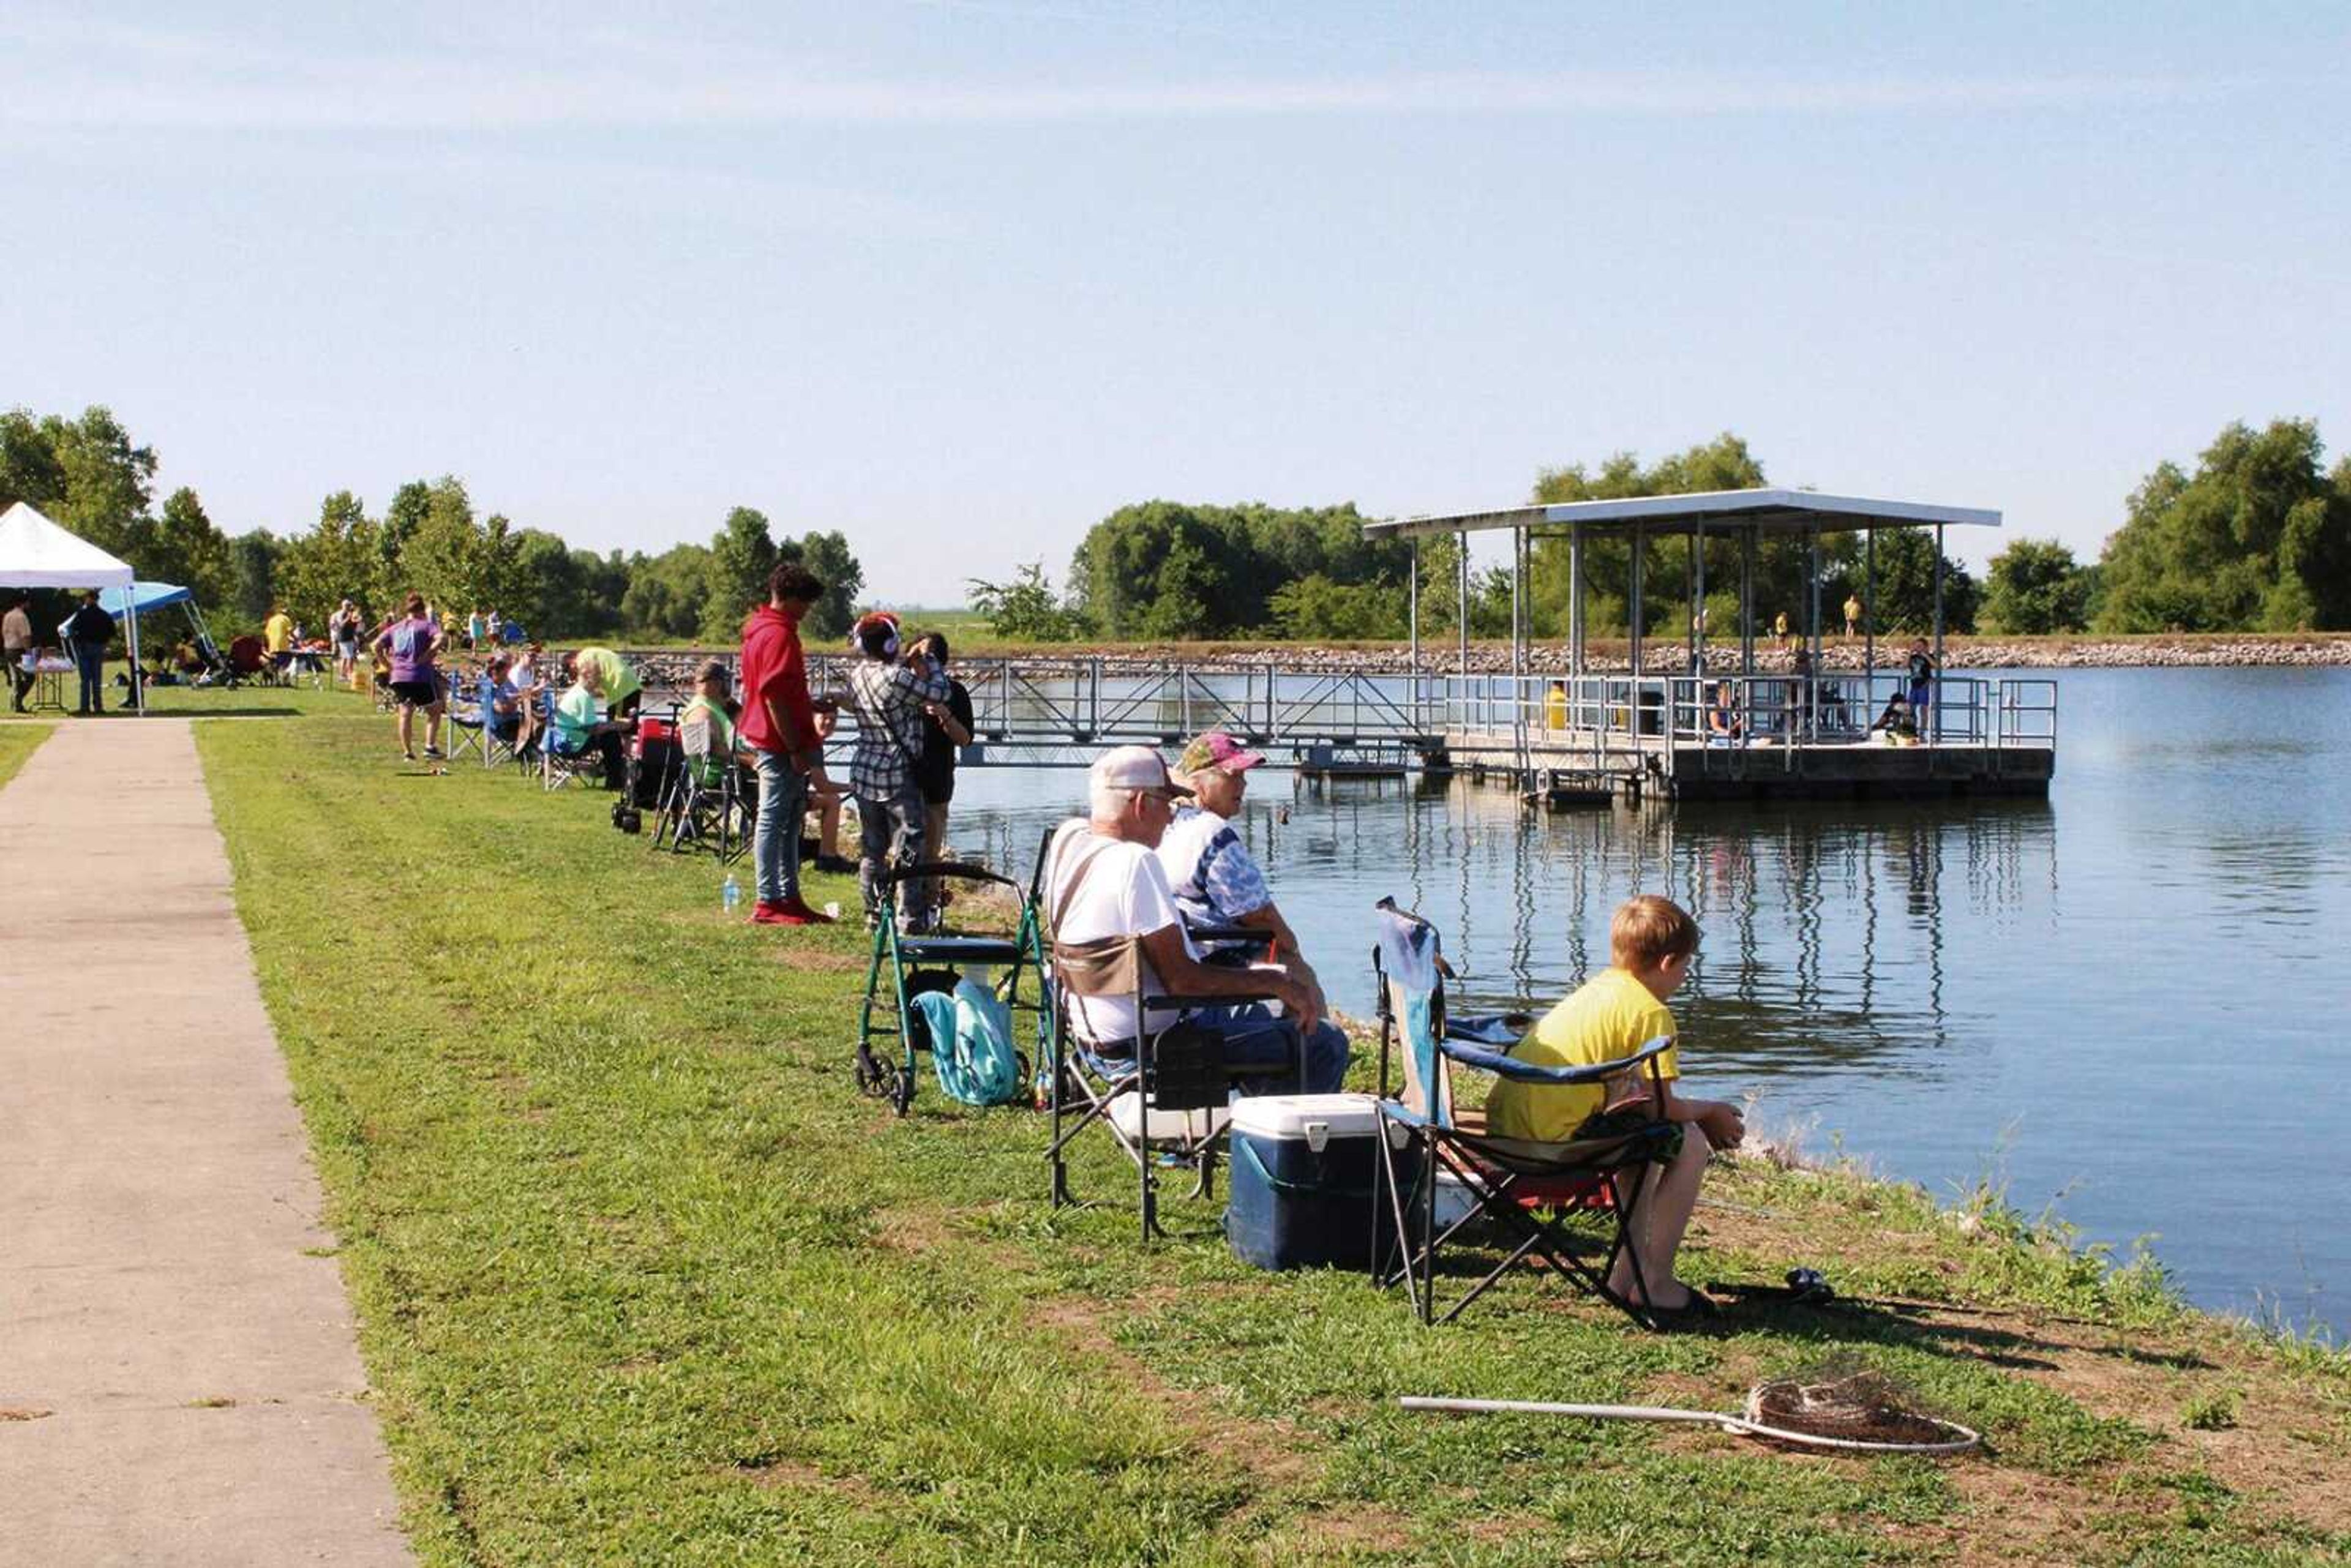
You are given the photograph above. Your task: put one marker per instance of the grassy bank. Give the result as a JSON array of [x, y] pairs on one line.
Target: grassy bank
[[642, 1280], [16, 743]]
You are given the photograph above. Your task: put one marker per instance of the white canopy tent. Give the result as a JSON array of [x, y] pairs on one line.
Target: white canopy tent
[[37, 553]]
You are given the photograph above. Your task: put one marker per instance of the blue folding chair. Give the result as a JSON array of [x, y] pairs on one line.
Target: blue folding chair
[[1529, 1193]]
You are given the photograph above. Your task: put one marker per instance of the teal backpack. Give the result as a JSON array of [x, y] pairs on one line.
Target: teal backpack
[[971, 1044]]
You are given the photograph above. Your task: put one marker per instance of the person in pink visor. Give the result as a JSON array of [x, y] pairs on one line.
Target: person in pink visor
[[1215, 879]]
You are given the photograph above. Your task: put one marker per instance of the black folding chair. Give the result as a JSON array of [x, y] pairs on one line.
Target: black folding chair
[[1531, 1194]]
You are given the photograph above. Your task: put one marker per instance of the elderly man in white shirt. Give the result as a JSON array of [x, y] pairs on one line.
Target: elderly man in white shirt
[[1103, 880]]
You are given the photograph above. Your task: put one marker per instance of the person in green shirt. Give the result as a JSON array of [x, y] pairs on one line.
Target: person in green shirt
[[576, 725], [621, 689], [706, 731], [1652, 943]]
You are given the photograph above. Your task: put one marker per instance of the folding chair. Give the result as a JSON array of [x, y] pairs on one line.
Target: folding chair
[[1531, 1192], [558, 767], [469, 724], [704, 805], [1165, 1091], [912, 965]]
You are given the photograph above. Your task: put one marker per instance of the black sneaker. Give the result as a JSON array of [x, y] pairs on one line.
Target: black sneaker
[[432, 754]]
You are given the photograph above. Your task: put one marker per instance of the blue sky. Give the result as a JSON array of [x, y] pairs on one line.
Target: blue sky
[[960, 277]]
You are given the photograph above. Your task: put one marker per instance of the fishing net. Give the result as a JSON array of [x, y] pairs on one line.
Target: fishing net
[[1844, 1404]]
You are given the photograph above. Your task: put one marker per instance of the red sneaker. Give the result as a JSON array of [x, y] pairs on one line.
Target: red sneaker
[[799, 913], [766, 913]]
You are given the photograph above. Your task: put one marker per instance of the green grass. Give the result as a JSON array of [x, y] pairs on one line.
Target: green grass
[[17, 739], [641, 1278]]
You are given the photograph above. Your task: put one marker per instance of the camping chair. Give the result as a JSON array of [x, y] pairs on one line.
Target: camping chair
[[1165, 1093], [704, 805], [469, 723], [473, 726], [1529, 1191], [930, 964], [558, 767]]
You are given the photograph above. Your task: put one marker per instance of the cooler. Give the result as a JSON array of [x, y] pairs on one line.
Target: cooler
[[1302, 1180]]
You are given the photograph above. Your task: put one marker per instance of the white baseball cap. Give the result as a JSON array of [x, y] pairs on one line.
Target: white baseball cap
[[1135, 768]]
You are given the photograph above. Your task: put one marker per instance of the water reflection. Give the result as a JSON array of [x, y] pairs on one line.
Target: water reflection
[[2156, 985]]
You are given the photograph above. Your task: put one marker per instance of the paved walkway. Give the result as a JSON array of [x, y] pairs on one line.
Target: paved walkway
[[194, 1366]]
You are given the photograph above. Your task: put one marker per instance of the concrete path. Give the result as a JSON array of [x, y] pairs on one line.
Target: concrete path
[[178, 1378]]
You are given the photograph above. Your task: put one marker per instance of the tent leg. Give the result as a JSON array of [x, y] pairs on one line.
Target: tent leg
[[138, 686]]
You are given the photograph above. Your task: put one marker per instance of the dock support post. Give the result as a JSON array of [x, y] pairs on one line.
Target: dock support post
[[1812, 635], [1868, 617], [1935, 698], [1747, 601]]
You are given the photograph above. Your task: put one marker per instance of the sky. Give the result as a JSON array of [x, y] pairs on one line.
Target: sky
[[960, 278]]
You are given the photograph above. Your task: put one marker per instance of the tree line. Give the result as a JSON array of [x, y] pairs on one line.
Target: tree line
[[2258, 537], [88, 476]]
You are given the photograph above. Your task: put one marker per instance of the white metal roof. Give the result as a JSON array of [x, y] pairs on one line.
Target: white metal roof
[[37, 553], [1792, 511]]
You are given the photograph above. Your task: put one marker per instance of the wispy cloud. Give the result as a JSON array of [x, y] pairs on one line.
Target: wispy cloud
[[61, 75]]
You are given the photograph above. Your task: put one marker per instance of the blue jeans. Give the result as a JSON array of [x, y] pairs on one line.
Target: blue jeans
[[890, 830], [90, 658], [776, 841], [1254, 1037]]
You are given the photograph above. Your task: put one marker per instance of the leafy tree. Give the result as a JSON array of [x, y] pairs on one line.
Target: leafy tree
[[2259, 537], [1905, 586], [741, 555], [2035, 586], [29, 469], [666, 593], [442, 551], [1165, 568], [339, 558], [829, 556], [1782, 581], [253, 563], [1026, 606], [184, 548], [1315, 607]]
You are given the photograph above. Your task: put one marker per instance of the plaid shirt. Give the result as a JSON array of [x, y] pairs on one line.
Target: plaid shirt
[[888, 700]]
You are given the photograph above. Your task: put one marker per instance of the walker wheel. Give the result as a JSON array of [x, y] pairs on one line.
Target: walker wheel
[[876, 1078]]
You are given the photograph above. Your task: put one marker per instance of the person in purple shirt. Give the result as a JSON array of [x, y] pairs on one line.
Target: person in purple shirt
[[410, 643]]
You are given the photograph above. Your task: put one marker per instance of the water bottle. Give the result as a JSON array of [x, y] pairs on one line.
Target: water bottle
[[730, 895]]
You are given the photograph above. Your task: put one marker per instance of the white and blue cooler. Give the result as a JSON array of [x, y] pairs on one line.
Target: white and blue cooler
[[1302, 1180]]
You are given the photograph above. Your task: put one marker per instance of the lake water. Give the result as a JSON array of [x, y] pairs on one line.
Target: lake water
[[2127, 1001]]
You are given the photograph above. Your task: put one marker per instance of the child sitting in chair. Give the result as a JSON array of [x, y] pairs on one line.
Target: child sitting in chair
[[1651, 945]]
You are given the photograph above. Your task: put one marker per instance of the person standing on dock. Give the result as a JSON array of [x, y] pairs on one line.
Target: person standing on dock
[[1851, 616], [1921, 670]]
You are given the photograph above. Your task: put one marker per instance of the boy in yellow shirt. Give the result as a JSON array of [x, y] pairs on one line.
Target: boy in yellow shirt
[[1652, 941]]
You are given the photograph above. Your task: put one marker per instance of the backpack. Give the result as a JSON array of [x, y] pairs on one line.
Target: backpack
[[971, 1044]]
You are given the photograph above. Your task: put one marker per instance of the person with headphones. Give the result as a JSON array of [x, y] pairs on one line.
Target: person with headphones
[[890, 699]]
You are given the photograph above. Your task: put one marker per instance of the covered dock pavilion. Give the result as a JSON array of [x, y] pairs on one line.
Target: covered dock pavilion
[[1801, 732]]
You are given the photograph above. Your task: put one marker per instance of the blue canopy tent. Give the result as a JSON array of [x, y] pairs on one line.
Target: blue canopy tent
[[145, 597]]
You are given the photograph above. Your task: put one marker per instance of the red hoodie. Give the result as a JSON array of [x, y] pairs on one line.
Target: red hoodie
[[773, 669]]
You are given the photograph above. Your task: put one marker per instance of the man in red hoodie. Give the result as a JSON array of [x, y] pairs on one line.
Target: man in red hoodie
[[779, 727]]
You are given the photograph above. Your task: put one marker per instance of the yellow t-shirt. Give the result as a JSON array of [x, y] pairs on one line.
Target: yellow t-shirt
[[1610, 1016], [277, 633]]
